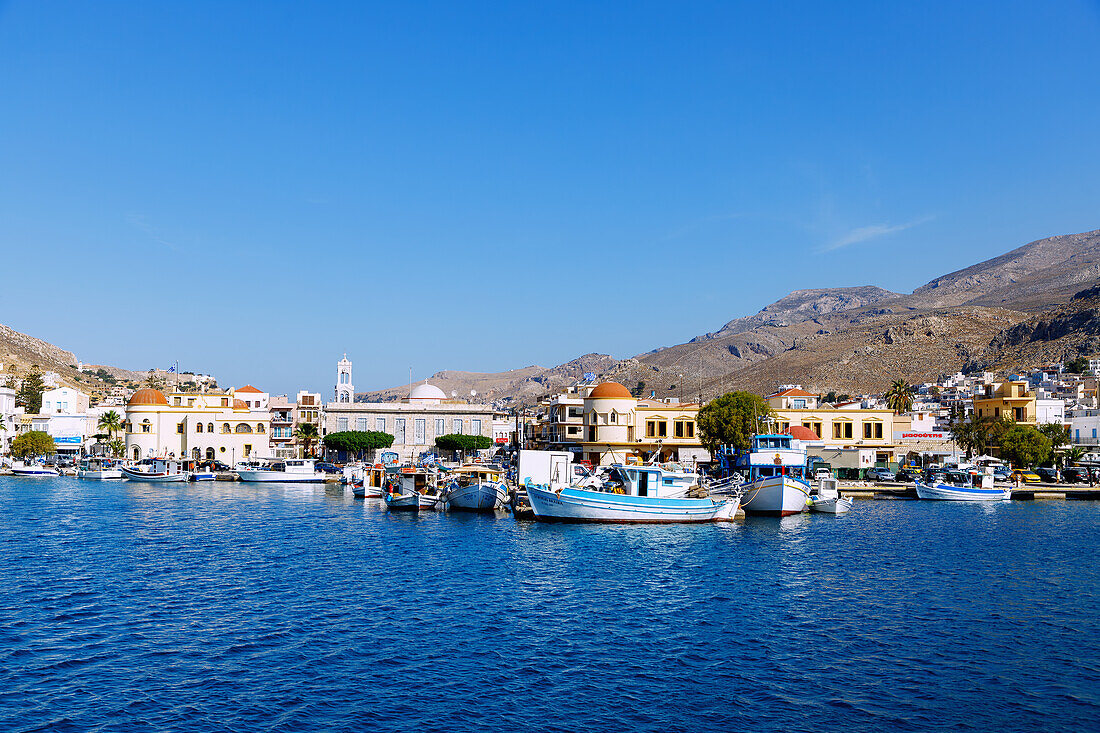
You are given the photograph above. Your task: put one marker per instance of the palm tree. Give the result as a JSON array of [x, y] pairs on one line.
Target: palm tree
[[306, 433], [111, 421], [1073, 454], [899, 397]]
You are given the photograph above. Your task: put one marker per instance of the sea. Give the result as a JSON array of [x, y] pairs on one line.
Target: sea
[[236, 607]]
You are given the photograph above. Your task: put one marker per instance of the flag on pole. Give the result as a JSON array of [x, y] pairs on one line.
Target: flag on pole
[[172, 368]]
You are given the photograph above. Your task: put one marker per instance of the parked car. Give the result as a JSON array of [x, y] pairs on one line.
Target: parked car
[[881, 474], [1025, 475], [1002, 473], [327, 468], [822, 473], [906, 476], [1075, 475], [1049, 475]]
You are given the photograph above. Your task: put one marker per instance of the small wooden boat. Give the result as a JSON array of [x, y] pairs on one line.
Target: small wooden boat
[[475, 489], [963, 486], [158, 470], [99, 469], [368, 482], [412, 489], [826, 499]]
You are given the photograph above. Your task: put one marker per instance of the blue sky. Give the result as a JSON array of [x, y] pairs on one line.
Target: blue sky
[[255, 188]]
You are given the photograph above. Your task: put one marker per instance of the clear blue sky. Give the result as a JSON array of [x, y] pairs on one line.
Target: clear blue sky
[[255, 188]]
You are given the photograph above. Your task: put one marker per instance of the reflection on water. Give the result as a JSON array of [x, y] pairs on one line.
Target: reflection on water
[[218, 605]]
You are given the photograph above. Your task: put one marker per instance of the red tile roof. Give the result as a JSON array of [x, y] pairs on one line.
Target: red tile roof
[[249, 388], [793, 393]]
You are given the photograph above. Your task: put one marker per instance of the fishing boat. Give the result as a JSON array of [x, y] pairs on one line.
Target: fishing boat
[[160, 470], [99, 469], [777, 483], [196, 473], [826, 498], [964, 486], [407, 490], [632, 494], [475, 489], [35, 471], [368, 482], [283, 471]]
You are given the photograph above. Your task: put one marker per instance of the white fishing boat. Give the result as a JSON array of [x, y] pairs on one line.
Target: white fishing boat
[[278, 470], [475, 488], [35, 471], [368, 482], [99, 469], [411, 489], [632, 494], [826, 498], [964, 486], [159, 470], [777, 484]]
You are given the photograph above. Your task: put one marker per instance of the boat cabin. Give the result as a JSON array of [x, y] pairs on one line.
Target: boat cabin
[[471, 474], [650, 480], [775, 455]]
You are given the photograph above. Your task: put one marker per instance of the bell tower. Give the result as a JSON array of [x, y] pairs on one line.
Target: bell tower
[[345, 391]]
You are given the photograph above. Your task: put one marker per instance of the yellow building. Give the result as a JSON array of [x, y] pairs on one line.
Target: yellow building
[[840, 426], [1006, 399]]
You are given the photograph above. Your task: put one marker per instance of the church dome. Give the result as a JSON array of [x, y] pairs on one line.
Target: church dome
[[427, 391], [610, 391], [147, 396]]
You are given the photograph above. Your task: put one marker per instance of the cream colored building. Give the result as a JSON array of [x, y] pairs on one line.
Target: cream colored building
[[204, 426], [840, 426], [1011, 400]]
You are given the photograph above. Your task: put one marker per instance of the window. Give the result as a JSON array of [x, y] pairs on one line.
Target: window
[[684, 429], [260, 428], [440, 426], [842, 429], [361, 423], [175, 401], [225, 428], [475, 427], [247, 449], [380, 424], [210, 427], [399, 431], [198, 427], [179, 428], [650, 428], [613, 417], [341, 423], [243, 427], [662, 428], [225, 402], [798, 404], [872, 430], [420, 430], [456, 426], [145, 426]]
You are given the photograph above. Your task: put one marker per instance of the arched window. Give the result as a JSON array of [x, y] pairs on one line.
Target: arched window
[[198, 427], [209, 454], [225, 427], [243, 427], [260, 428], [209, 427], [146, 427], [196, 453]]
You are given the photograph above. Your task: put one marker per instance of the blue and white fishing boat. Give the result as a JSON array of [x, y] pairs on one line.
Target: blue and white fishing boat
[[276, 470], [633, 494], [964, 486], [412, 489], [475, 488], [158, 470], [777, 484]]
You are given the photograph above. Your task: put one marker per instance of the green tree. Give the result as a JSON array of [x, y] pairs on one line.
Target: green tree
[[32, 443], [463, 443], [831, 397], [899, 397], [731, 419], [117, 447], [1073, 454], [111, 421], [1024, 446], [156, 381], [358, 442], [307, 435], [30, 392], [1079, 365], [638, 389], [1058, 434], [979, 434]]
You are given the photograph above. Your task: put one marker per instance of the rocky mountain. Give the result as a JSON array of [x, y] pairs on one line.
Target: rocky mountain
[[1001, 312]]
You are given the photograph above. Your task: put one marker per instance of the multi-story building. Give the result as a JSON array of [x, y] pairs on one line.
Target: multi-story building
[[308, 408], [843, 426], [282, 427], [415, 422], [1010, 399], [202, 426], [66, 419], [8, 418]]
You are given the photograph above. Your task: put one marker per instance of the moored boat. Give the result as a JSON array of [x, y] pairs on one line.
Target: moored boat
[[568, 504], [412, 489], [964, 486], [35, 471], [99, 469], [475, 489], [826, 498], [777, 484], [159, 470], [288, 471]]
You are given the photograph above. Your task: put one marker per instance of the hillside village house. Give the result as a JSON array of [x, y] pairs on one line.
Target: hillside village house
[[205, 426], [9, 417], [606, 424], [1010, 399]]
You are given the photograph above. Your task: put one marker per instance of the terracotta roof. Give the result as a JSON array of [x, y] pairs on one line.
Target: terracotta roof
[[147, 396], [793, 393], [610, 391], [239, 405], [249, 388], [802, 433]]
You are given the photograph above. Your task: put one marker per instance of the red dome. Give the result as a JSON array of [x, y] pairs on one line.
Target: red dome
[[610, 391], [802, 433], [147, 396]]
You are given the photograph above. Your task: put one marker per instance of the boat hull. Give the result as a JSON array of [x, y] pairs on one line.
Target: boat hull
[[402, 502], [280, 477], [947, 492], [776, 496], [153, 477], [203, 477], [480, 497], [106, 474], [581, 505], [839, 505]]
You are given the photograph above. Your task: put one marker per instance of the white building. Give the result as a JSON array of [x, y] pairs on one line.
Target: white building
[[345, 390], [9, 418], [204, 426], [1050, 411], [255, 399]]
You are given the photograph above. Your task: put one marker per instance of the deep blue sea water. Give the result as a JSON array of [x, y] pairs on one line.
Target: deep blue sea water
[[131, 607]]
